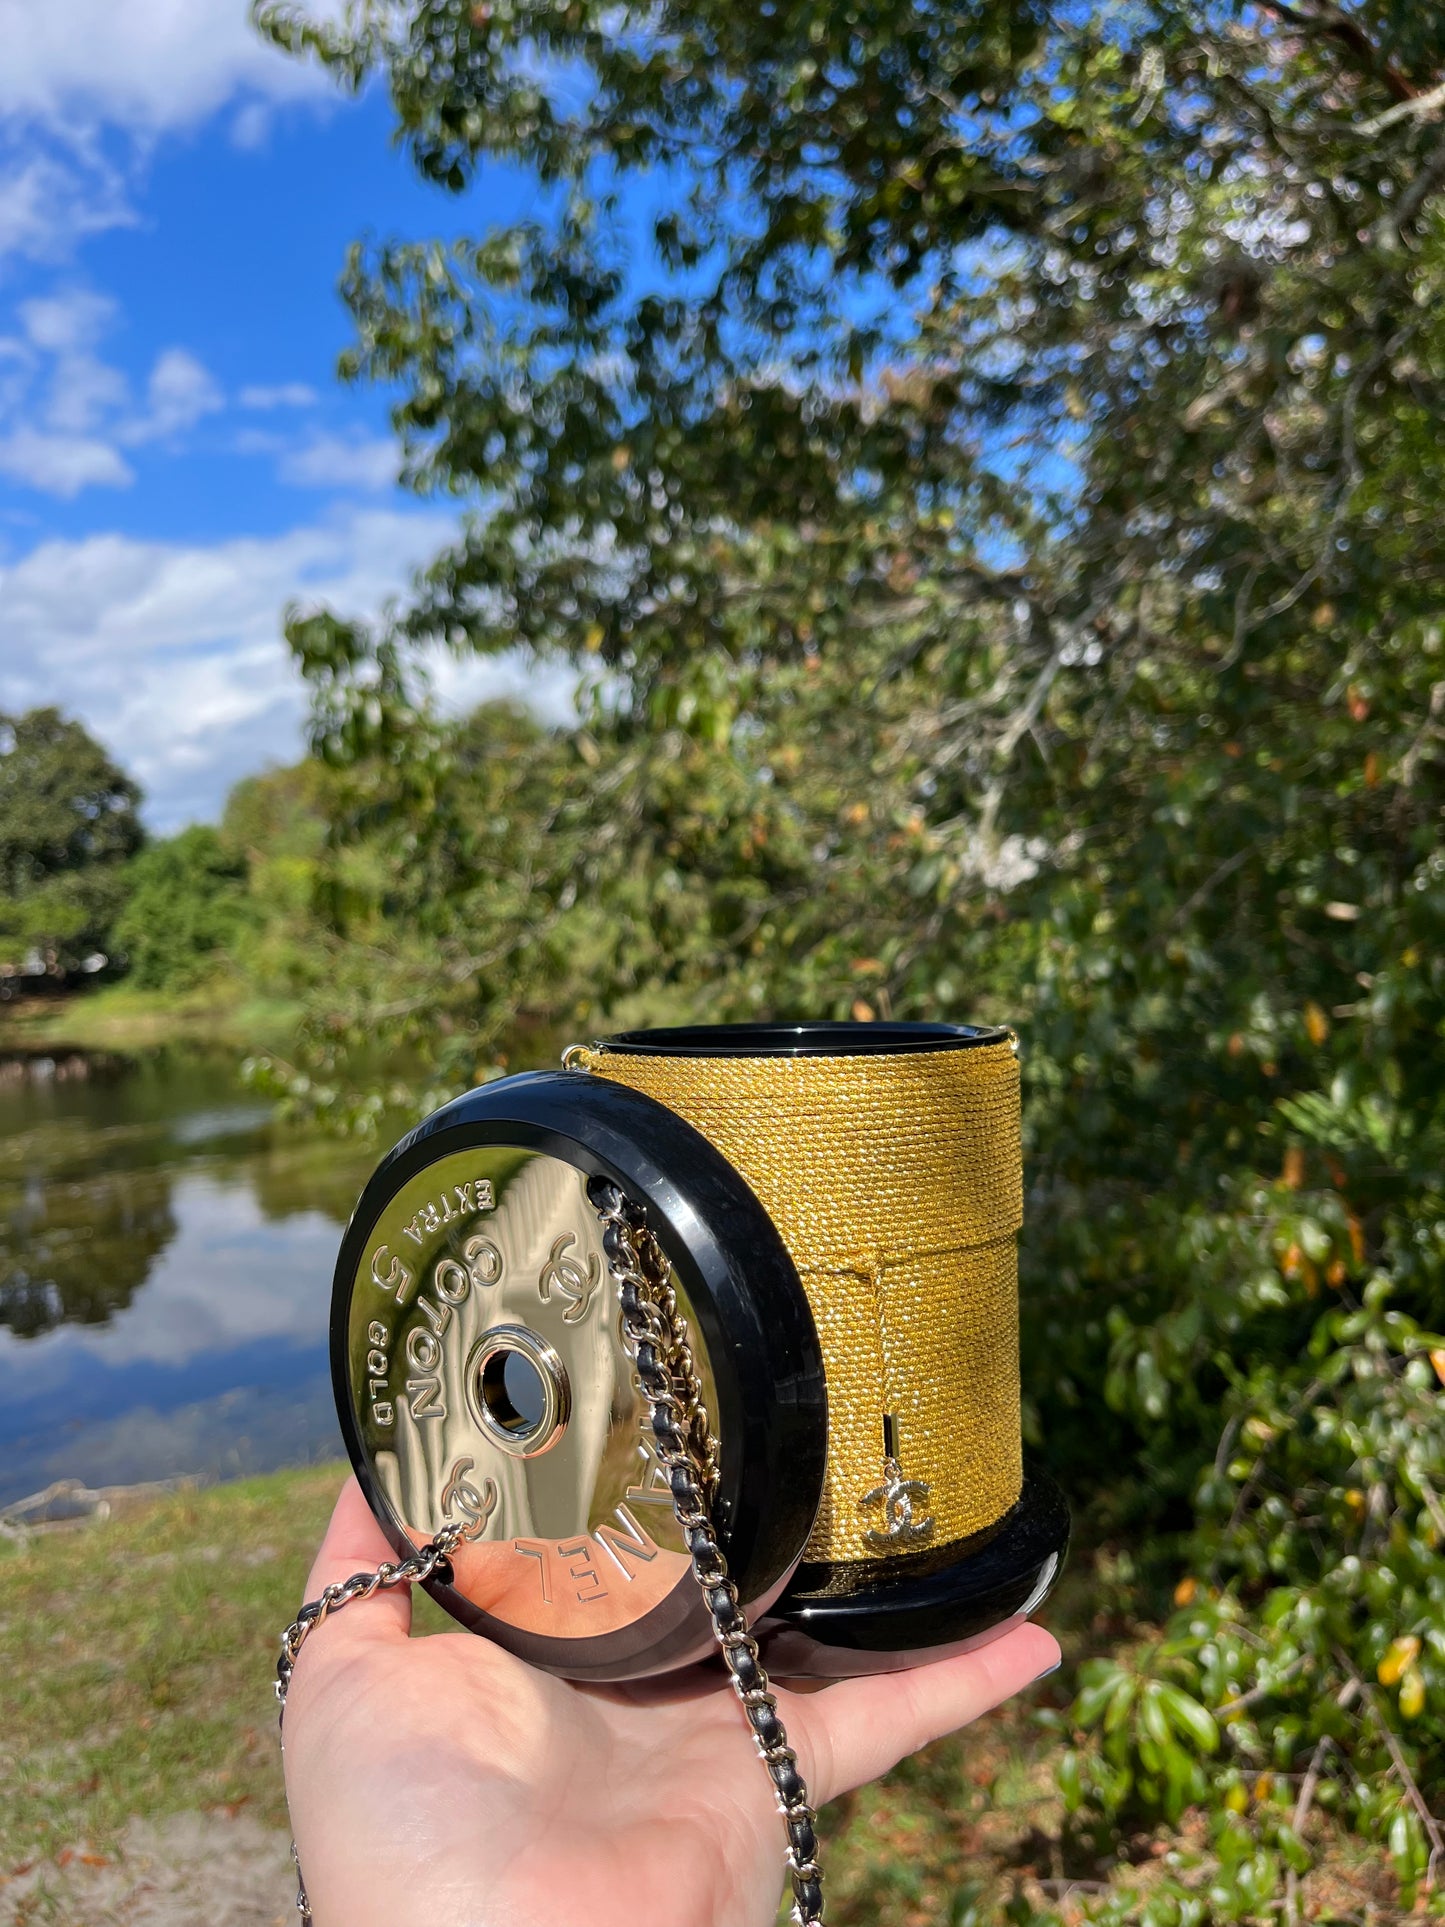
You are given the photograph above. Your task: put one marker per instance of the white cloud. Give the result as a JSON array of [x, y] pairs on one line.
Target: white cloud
[[251, 127], [258, 441], [178, 393], [62, 464], [69, 323], [47, 203], [172, 654], [65, 414], [282, 394], [74, 71], [341, 461], [149, 66], [61, 334]]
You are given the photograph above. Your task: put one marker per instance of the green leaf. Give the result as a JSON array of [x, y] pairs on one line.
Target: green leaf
[[1068, 1774], [1192, 1721]]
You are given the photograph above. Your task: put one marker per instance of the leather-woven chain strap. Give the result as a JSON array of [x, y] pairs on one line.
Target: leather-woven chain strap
[[656, 1337]]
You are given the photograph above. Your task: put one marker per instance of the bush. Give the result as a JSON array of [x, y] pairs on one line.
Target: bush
[[186, 913]]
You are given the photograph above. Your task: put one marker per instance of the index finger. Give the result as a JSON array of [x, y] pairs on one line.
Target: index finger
[[355, 1543]]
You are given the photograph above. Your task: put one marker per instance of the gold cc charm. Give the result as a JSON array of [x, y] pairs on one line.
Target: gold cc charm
[[897, 1496]]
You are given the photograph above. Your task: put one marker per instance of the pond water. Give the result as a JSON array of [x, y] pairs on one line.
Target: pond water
[[166, 1252]]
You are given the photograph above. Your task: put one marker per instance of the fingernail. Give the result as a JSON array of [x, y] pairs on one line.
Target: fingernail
[[1049, 1669]]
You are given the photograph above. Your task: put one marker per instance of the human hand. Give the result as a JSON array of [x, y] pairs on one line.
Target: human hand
[[443, 1781]]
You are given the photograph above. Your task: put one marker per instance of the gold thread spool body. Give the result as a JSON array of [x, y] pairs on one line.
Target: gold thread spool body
[[895, 1180]]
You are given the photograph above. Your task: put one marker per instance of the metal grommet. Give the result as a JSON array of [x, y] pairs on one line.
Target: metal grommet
[[572, 1057], [524, 1419]]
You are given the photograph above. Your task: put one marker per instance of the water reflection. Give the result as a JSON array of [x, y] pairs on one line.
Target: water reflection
[[165, 1266], [75, 1247]]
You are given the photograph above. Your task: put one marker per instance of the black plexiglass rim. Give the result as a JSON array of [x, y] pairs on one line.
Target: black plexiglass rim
[[884, 1615], [750, 1307], [799, 1040]]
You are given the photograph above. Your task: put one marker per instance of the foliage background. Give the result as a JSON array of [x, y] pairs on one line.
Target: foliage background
[[984, 464], [67, 825]]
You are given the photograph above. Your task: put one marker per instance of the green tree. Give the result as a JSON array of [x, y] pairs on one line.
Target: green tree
[[281, 825], [986, 461], [68, 824], [428, 899], [186, 910]]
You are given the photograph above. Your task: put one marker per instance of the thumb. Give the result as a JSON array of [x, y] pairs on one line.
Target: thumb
[[859, 1728]]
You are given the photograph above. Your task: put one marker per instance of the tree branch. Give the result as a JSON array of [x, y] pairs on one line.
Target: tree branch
[[1429, 178], [1227, 868], [1333, 24], [1401, 1765], [1421, 107], [1263, 1691], [1301, 1813]]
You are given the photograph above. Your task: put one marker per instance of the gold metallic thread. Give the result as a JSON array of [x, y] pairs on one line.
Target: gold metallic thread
[[896, 1182]]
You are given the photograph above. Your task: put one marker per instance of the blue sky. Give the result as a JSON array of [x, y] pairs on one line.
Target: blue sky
[[177, 459]]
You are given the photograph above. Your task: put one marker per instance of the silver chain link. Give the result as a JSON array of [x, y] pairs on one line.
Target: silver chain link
[[361, 1585], [656, 1336]]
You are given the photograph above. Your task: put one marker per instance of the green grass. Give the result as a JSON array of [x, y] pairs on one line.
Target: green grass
[[136, 1660], [136, 1657], [120, 1017]]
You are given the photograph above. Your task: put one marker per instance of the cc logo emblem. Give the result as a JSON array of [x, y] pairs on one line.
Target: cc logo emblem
[[575, 1282], [461, 1499]]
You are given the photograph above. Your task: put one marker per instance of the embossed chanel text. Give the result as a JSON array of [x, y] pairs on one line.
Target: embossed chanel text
[[450, 1283], [475, 1195], [570, 1566], [377, 1366]]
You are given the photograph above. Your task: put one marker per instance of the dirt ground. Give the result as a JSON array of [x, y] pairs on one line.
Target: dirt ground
[[191, 1870]]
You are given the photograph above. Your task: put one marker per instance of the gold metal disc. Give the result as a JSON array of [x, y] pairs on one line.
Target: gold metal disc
[[490, 1388]]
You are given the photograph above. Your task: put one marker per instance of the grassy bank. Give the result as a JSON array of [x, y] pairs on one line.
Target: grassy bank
[[136, 1657], [120, 1018]]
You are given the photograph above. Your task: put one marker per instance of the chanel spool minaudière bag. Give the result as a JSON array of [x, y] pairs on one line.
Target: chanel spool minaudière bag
[[709, 1339]]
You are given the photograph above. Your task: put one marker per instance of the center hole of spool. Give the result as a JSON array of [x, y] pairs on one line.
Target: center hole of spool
[[513, 1393], [519, 1390]]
